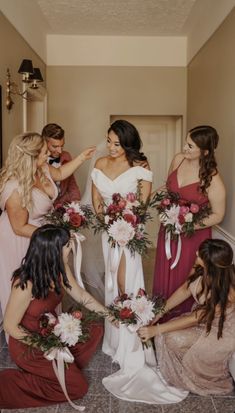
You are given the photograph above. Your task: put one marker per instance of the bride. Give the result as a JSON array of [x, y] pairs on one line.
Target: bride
[[119, 172]]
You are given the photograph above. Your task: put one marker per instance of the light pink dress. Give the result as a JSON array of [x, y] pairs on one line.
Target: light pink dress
[[13, 247], [190, 359]]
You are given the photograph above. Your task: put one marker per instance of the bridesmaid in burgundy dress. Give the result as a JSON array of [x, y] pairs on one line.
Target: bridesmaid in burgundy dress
[[193, 175], [34, 292]]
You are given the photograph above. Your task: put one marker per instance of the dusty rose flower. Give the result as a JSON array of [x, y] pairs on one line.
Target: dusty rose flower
[[131, 197], [184, 210], [77, 314], [194, 208], [166, 201]]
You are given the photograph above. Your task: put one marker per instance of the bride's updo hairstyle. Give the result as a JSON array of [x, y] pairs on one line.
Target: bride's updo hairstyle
[[206, 138], [218, 277], [129, 139]]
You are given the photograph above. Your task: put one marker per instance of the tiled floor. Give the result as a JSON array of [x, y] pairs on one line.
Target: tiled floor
[[98, 400]]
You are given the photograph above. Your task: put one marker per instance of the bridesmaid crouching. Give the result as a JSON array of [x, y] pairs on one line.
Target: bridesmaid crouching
[[194, 350], [37, 288]]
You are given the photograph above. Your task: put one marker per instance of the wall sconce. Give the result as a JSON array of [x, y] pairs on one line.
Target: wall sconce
[[30, 75]]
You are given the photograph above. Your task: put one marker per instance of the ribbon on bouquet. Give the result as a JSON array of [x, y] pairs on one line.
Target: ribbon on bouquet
[[77, 256], [114, 257], [59, 356], [168, 248]]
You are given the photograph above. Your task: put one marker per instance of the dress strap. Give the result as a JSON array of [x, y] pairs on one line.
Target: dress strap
[[180, 164]]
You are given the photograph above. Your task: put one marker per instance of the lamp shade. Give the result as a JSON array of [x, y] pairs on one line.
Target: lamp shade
[[36, 75], [26, 67]]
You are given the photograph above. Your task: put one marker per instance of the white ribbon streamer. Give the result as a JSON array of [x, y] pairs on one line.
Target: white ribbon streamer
[[77, 256], [168, 248], [58, 357]]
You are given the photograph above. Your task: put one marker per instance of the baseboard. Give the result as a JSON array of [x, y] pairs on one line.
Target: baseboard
[[220, 233]]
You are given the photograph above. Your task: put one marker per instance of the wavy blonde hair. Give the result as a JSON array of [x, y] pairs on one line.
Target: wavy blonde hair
[[21, 164]]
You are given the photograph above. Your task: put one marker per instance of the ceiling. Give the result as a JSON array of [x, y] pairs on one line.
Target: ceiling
[[117, 17]]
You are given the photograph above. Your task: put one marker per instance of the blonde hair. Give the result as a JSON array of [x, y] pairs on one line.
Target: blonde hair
[[21, 164]]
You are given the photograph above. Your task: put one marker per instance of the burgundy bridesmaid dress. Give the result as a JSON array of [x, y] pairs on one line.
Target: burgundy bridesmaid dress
[[35, 384], [166, 281]]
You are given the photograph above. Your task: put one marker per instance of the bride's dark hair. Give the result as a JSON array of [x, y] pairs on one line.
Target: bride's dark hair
[[129, 139], [43, 263], [206, 138], [218, 277]]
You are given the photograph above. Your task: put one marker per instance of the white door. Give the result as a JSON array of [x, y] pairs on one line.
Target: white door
[[161, 137]]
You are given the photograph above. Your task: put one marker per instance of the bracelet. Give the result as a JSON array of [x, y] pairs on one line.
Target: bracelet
[[164, 310]]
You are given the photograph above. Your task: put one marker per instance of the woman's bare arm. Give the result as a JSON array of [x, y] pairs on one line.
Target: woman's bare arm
[[64, 171], [19, 216], [17, 305], [217, 199]]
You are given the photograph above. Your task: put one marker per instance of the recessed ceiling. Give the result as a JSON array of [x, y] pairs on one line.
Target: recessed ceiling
[[117, 17]]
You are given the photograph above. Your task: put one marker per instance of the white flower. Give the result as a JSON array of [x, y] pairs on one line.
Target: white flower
[[66, 217], [121, 231], [68, 329], [76, 207], [106, 219], [170, 216], [51, 318], [188, 217], [130, 205], [143, 309]]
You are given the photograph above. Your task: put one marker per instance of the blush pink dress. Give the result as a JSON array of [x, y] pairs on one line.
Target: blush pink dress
[[166, 281], [187, 361], [13, 247]]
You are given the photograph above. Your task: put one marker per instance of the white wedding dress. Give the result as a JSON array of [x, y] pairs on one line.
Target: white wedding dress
[[134, 279], [138, 378]]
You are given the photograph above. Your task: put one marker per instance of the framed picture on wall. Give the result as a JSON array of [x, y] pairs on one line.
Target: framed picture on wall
[[0, 126]]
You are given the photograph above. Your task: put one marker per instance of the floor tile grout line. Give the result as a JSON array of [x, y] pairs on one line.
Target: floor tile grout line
[[213, 403]]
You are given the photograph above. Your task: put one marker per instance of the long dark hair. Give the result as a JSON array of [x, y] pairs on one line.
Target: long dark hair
[[206, 138], [129, 139], [218, 277], [43, 263]]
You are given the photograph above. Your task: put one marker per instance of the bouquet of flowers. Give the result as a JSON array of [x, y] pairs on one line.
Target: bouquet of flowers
[[54, 336], [178, 215], [57, 332], [136, 310], [124, 220], [72, 216]]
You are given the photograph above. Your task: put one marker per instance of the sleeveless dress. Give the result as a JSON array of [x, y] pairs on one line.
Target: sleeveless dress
[[13, 247], [166, 281], [35, 384], [185, 358], [134, 279]]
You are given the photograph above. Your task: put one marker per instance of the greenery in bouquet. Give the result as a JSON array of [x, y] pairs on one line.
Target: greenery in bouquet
[[178, 215], [124, 221], [72, 216]]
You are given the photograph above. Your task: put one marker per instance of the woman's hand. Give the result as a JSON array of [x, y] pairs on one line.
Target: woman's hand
[[145, 333], [113, 320], [87, 153], [156, 319]]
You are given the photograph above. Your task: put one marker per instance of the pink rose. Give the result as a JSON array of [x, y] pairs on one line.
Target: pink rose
[[184, 210], [131, 197], [194, 208], [166, 201], [77, 314], [122, 203]]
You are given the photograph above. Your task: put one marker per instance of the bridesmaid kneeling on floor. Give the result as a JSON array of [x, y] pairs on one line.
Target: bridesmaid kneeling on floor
[[194, 350], [38, 287]]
